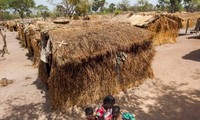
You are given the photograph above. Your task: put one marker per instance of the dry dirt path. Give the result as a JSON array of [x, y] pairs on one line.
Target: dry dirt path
[[174, 94]]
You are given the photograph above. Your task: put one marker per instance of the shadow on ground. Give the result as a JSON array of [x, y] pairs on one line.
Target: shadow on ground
[[197, 36], [194, 55], [33, 110], [172, 104], [181, 34]]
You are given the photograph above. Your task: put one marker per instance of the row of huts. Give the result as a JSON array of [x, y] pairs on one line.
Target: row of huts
[[83, 61]]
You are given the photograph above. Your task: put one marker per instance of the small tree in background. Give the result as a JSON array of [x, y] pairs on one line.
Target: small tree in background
[[42, 11], [124, 5], [192, 5], [97, 5], [112, 7], [170, 5], [21, 6], [145, 6], [75, 7]]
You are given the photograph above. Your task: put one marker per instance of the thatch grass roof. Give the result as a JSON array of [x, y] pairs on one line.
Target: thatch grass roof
[[90, 42], [121, 17], [183, 18], [187, 16], [141, 20]]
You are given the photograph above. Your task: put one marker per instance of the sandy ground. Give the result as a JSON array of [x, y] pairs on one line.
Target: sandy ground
[[174, 93]]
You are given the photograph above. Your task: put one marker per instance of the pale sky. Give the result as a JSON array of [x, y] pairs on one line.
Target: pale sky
[[44, 2]]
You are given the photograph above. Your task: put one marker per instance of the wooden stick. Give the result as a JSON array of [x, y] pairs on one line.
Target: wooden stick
[[4, 50], [187, 26], [61, 43]]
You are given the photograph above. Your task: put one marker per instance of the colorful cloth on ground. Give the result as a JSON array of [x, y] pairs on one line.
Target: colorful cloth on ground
[[127, 116], [102, 113]]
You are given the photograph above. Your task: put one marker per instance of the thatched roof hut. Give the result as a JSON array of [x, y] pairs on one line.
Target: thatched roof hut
[[121, 17], [87, 63], [11, 25], [184, 18], [165, 30]]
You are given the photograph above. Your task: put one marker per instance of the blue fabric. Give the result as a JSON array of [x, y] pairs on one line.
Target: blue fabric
[[127, 116]]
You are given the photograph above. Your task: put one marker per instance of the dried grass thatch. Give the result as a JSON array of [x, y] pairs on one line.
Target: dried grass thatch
[[97, 17], [61, 21], [34, 41], [165, 30], [183, 18], [197, 26], [83, 69], [11, 25], [122, 17]]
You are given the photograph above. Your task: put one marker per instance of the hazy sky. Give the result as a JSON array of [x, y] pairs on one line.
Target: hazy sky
[[44, 2]]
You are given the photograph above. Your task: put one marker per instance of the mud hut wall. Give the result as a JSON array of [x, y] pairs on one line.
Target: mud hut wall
[[94, 78]]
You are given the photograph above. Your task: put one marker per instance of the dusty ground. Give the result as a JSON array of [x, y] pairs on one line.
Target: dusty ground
[[174, 94]]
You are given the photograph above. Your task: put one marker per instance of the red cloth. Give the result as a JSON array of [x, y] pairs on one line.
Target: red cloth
[[102, 113]]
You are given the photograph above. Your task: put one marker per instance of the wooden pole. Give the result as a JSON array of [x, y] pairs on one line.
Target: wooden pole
[[4, 50], [187, 26], [4, 38]]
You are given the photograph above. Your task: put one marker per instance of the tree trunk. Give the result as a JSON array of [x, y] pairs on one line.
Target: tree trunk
[[21, 13], [172, 2]]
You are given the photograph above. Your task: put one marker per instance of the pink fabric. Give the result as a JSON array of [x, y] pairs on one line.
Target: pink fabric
[[102, 113]]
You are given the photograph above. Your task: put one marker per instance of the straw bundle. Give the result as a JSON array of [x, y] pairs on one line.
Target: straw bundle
[[84, 69], [61, 21], [165, 30], [35, 38], [183, 18], [22, 35]]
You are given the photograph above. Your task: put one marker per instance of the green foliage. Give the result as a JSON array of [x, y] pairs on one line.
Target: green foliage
[[60, 11], [7, 16], [170, 5], [118, 11], [124, 5], [98, 4], [3, 4], [144, 6], [192, 5], [111, 7], [21, 6], [73, 8], [42, 11], [82, 8]]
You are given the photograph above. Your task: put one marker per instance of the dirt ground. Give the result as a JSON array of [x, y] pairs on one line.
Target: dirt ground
[[174, 93]]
